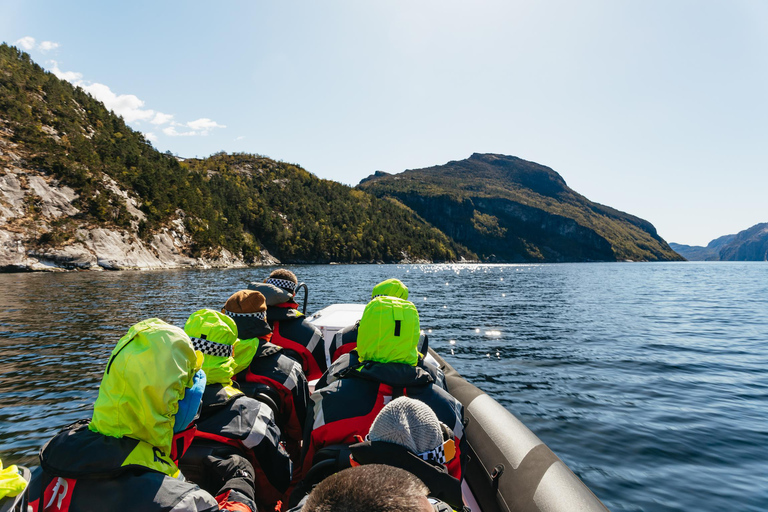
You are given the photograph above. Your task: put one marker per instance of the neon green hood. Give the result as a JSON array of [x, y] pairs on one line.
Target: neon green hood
[[11, 482], [389, 331], [146, 376], [215, 327], [391, 288], [245, 350]]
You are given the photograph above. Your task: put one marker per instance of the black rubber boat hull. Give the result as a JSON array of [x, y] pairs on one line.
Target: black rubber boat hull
[[510, 469]]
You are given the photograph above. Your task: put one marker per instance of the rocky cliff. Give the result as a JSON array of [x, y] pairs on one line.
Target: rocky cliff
[[508, 209], [42, 229], [748, 245]]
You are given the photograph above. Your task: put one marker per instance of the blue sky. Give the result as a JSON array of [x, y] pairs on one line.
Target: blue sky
[[656, 108]]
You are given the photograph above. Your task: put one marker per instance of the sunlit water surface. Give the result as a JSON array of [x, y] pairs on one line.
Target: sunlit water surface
[[649, 380]]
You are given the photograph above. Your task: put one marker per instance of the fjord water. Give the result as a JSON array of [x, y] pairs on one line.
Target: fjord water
[[649, 380]]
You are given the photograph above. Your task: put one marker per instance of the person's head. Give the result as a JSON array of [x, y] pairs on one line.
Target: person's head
[[389, 331], [409, 423], [283, 278], [214, 335], [391, 288], [369, 488], [248, 309], [150, 371]]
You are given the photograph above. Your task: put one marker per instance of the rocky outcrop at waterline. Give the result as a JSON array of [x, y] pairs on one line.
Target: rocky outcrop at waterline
[[40, 231]]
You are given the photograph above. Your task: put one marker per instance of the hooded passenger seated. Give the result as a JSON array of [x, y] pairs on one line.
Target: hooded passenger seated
[[345, 340], [344, 345], [231, 422], [408, 435], [290, 329], [387, 338], [125, 457], [405, 434], [263, 372]]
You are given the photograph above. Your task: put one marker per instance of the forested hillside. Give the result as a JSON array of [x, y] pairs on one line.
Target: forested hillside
[[508, 209], [241, 203]]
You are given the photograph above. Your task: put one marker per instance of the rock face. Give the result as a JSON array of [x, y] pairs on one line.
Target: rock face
[[39, 230], [748, 245], [507, 209]]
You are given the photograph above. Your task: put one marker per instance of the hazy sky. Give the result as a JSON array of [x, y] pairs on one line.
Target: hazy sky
[[656, 108]]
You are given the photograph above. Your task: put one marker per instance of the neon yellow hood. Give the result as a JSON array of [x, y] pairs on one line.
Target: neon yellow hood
[[11, 482], [389, 331], [147, 373], [219, 329], [392, 288], [245, 350]]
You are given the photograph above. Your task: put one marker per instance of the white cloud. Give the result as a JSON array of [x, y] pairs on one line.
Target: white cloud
[[46, 46], [201, 126], [204, 124], [29, 43], [126, 105], [69, 76], [240, 137], [129, 106], [171, 131], [26, 43], [161, 118]]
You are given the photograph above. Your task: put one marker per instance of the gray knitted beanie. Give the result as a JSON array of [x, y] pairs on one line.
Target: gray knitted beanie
[[409, 423]]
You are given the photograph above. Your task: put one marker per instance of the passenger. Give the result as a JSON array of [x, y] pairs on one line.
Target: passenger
[[371, 488], [408, 435], [260, 364], [352, 359], [230, 421], [344, 343], [346, 339], [387, 338], [290, 329], [125, 457]]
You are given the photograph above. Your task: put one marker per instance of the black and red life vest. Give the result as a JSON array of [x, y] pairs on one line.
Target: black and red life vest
[[232, 422], [83, 470], [299, 338], [347, 407], [286, 382]]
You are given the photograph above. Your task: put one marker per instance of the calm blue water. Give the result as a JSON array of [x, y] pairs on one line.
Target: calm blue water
[[649, 380]]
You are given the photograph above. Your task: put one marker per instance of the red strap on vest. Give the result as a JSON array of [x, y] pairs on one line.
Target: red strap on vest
[[219, 439], [181, 443]]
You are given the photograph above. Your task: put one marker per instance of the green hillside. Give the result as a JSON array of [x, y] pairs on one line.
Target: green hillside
[[240, 202], [508, 209]]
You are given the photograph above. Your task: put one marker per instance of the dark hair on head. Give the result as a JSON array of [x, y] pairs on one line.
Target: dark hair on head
[[284, 273], [368, 488]]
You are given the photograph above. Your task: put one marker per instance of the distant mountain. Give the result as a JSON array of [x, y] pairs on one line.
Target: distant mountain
[[81, 189], [697, 253], [507, 209], [748, 245]]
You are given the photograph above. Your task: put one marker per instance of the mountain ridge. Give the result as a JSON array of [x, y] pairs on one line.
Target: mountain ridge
[[506, 208], [750, 244]]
